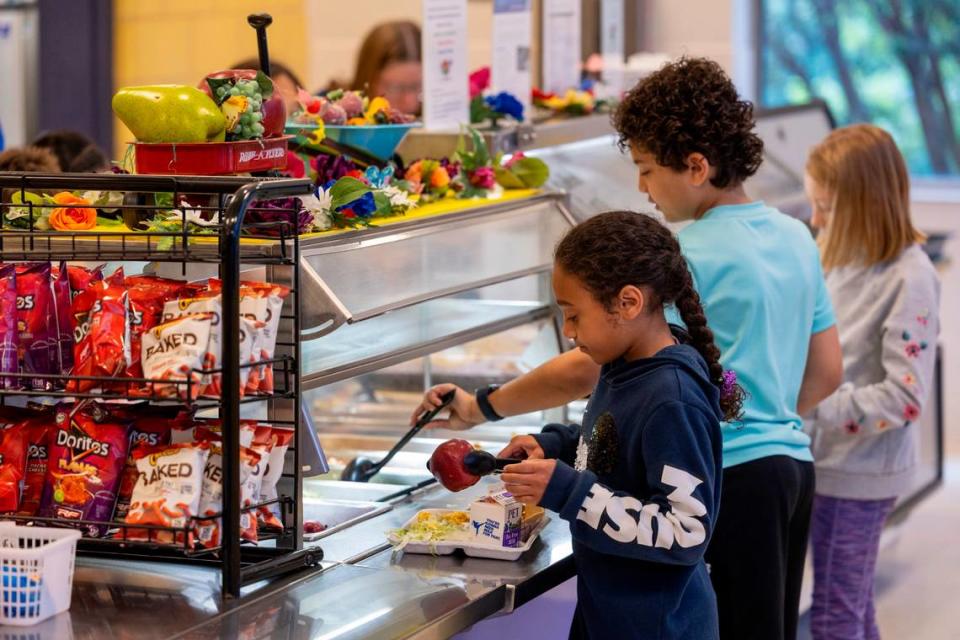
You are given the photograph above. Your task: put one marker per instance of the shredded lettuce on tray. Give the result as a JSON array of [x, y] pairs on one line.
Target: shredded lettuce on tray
[[432, 528]]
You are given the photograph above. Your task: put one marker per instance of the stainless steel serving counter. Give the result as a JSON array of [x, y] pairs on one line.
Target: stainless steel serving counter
[[363, 590]]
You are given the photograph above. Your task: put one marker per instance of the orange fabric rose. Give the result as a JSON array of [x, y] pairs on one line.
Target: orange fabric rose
[[439, 178], [72, 218]]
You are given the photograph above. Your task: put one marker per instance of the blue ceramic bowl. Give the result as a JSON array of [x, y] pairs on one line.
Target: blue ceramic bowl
[[379, 140]]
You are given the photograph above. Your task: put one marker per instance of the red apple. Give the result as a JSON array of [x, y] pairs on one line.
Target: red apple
[[446, 465]]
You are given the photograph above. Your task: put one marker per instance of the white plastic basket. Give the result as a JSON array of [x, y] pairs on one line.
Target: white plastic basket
[[36, 572]]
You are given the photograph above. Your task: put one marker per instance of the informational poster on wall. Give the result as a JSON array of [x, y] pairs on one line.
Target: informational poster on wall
[[561, 45], [510, 70], [612, 46], [18, 61], [446, 91]]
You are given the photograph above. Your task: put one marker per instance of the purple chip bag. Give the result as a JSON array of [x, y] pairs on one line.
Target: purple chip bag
[[36, 325], [8, 326], [88, 451], [61, 299]]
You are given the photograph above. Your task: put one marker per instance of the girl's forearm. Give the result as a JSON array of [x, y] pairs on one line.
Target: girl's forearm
[[567, 377]]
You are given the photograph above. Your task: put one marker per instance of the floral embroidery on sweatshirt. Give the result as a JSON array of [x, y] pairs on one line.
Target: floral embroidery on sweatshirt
[[924, 317], [852, 427], [882, 424], [910, 413], [910, 380], [913, 349]]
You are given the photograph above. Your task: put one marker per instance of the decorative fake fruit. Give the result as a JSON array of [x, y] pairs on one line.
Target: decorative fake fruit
[[169, 113], [249, 103]]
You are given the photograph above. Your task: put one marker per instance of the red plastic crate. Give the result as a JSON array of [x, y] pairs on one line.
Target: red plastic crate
[[211, 158]]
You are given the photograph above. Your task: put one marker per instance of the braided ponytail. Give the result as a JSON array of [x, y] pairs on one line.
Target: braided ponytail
[[701, 338], [619, 248]]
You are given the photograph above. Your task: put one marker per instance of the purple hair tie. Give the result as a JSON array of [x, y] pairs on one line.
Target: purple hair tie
[[729, 383]]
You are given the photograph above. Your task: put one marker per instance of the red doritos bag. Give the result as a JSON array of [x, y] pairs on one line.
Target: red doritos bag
[[87, 456], [80, 278], [36, 325], [9, 336], [38, 432], [13, 462], [103, 332]]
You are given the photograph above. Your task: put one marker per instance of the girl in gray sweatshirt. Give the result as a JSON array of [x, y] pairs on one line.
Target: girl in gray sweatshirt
[[886, 296]]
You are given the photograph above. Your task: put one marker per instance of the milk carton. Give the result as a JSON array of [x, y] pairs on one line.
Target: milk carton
[[496, 519]]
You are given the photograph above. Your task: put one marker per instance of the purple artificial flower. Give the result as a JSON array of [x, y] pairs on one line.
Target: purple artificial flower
[[269, 213], [331, 167]]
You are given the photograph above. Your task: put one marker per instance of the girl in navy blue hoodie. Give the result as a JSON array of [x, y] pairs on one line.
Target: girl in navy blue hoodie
[[639, 482]]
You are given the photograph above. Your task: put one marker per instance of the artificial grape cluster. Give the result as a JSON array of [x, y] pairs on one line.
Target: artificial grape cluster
[[250, 123]]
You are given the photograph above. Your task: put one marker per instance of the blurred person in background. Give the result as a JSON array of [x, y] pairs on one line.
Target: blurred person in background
[[389, 65], [74, 151]]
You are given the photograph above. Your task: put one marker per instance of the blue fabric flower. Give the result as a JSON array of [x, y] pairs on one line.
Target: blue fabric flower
[[364, 206], [378, 178], [505, 104]]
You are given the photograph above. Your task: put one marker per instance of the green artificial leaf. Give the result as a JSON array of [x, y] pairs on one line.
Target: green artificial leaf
[[163, 199], [216, 83], [384, 208], [345, 191], [266, 84], [532, 172], [479, 111], [19, 214], [480, 153], [507, 179], [335, 95]]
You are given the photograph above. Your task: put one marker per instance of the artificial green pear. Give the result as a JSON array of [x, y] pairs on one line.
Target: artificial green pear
[[169, 113]]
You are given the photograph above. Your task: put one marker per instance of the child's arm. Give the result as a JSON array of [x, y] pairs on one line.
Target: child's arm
[[908, 354], [672, 525], [824, 369]]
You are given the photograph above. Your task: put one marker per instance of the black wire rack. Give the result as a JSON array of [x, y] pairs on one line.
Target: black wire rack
[[215, 228]]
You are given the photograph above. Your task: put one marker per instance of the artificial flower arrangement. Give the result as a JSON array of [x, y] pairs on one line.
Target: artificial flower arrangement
[[350, 108], [473, 173], [573, 102], [64, 211], [491, 108]]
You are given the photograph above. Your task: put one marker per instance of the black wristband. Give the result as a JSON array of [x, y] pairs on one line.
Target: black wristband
[[483, 403]]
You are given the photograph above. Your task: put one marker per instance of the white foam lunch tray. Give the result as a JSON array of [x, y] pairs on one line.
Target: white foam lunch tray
[[469, 547]]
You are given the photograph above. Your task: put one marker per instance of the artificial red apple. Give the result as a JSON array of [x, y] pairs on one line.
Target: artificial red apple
[[446, 465]]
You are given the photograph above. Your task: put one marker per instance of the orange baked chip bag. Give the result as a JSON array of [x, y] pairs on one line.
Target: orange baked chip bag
[[263, 443], [87, 453], [269, 514], [207, 303], [273, 295], [175, 351], [167, 491], [211, 501], [148, 294], [147, 433], [13, 463]]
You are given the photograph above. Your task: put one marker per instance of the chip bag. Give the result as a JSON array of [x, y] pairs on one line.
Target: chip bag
[[61, 300], [269, 514], [80, 278], [208, 304], [250, 490], [13, 463], [167, 492], [36, 325], [211, 501], [147, 433], [175, 351], [87, 453], [102, 335], [38, 433], [9, 336], [273, 296], [148, 294]]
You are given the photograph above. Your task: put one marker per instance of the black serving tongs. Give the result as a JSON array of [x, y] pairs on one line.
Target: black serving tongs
[[361, 469]]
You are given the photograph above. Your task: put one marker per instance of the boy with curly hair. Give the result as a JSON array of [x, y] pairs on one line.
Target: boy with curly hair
[[757, 272]]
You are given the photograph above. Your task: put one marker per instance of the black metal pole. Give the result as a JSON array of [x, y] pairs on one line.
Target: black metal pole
[[260, 22], [232, 575]]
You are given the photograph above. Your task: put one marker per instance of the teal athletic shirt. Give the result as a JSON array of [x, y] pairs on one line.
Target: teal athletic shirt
[[761, 285]]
